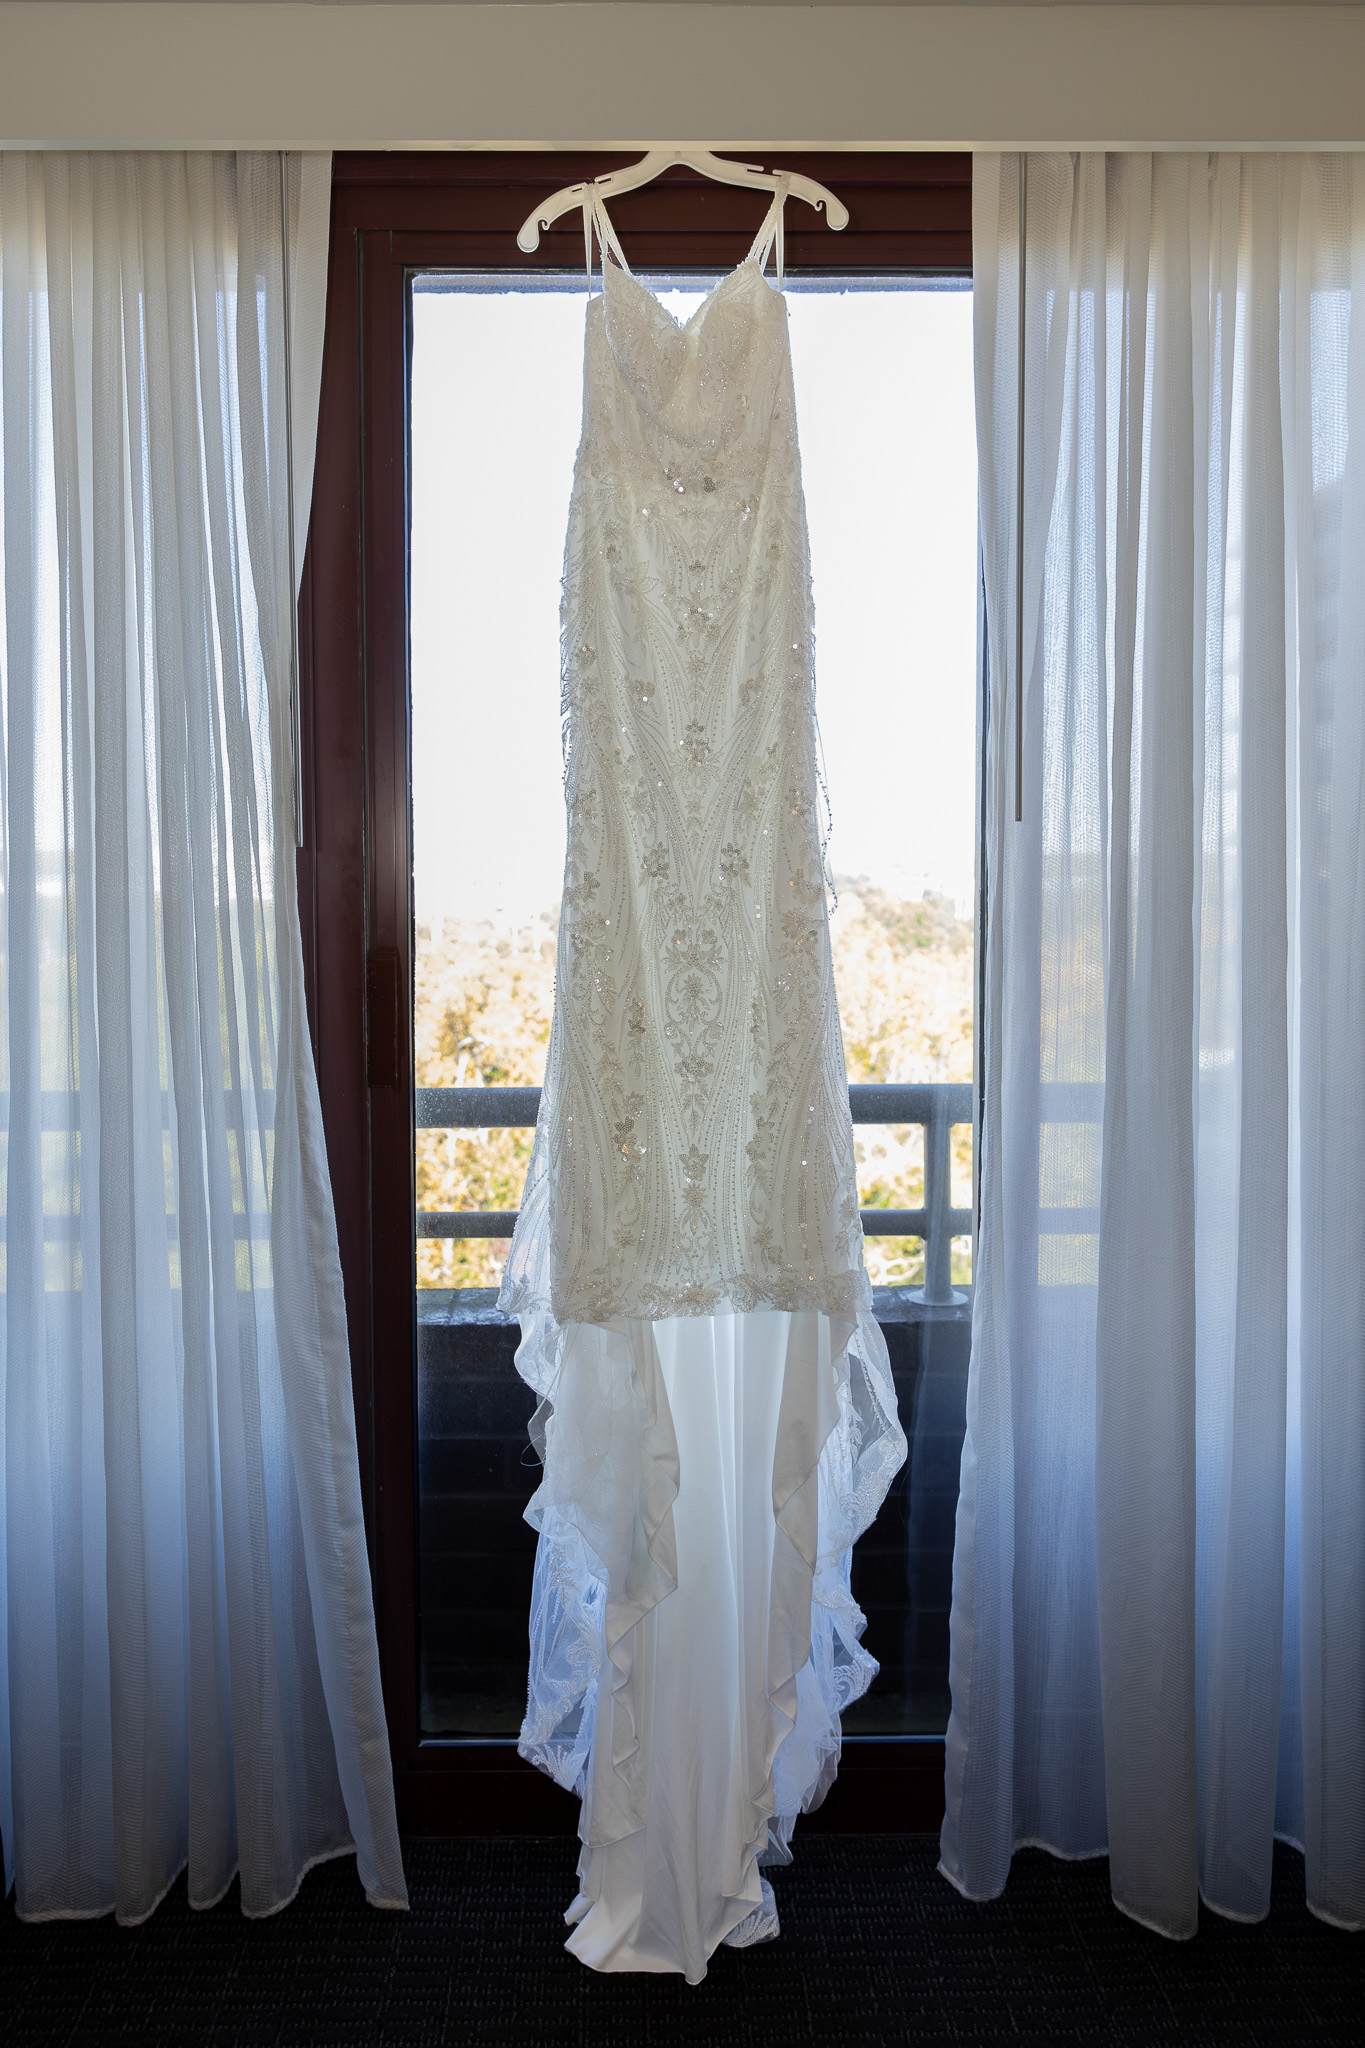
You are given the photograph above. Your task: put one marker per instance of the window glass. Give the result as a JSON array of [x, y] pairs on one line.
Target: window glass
[[883, 374]]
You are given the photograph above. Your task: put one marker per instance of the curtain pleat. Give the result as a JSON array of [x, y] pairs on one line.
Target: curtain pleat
[[1158, 1625], [190, 1667]]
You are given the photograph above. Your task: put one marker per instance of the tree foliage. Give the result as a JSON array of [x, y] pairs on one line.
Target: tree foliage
[[484, 999]]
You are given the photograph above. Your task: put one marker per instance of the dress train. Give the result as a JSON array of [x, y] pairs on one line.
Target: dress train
[[698, 1639]]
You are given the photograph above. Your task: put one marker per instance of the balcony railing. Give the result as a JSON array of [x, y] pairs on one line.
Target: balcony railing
[[935, 1105]]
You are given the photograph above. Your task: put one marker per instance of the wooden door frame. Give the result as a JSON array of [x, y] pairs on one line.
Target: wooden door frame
[[392, 214]]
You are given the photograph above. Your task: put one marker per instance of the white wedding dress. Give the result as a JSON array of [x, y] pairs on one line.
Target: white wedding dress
[[717, 1417]]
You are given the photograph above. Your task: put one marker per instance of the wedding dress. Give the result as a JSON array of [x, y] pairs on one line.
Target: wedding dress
[[717, 1419]]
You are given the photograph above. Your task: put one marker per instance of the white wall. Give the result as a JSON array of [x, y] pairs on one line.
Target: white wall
[[200, 73]]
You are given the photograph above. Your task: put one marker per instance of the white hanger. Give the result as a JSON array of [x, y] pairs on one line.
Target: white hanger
[[723, 169]]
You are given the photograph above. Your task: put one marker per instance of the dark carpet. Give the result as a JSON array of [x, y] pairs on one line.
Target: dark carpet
[[875, 1949]]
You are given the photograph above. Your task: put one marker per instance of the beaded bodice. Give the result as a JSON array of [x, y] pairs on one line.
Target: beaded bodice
[[694, 1143]]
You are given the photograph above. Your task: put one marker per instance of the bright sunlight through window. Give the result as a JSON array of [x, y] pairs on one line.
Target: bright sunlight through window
[[884, 408]]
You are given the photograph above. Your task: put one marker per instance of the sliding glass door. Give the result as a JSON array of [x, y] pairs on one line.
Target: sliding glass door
[[464, 397]]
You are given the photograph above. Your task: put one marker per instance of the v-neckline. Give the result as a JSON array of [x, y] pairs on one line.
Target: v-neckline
[[684, 327]]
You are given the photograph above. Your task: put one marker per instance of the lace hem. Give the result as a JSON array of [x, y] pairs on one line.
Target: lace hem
[[843, 1295], [599, 1569], [606, 1554]]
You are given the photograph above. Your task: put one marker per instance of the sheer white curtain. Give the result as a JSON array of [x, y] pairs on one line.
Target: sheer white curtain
[[1158, 1626], [188, 1668]]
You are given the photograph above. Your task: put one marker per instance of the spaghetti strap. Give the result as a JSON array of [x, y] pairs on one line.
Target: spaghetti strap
[[596, 219], [772, 230], [595, 216]]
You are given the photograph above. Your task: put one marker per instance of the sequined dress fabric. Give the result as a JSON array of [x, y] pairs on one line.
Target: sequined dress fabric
[[688, 1265]]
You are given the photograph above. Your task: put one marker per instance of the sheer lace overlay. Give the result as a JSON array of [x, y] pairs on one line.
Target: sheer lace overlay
[[694, 1141], [717, 1417]]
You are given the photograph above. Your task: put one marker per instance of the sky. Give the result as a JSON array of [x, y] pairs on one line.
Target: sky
[[885, 422]]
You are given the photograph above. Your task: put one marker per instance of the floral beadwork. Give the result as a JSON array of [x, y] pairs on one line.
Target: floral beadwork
[[694, 1143]]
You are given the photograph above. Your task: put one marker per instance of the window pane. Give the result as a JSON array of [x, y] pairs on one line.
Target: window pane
[[884, 403]]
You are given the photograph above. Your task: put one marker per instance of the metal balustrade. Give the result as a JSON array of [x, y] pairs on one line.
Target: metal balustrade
[[935, 1105]]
